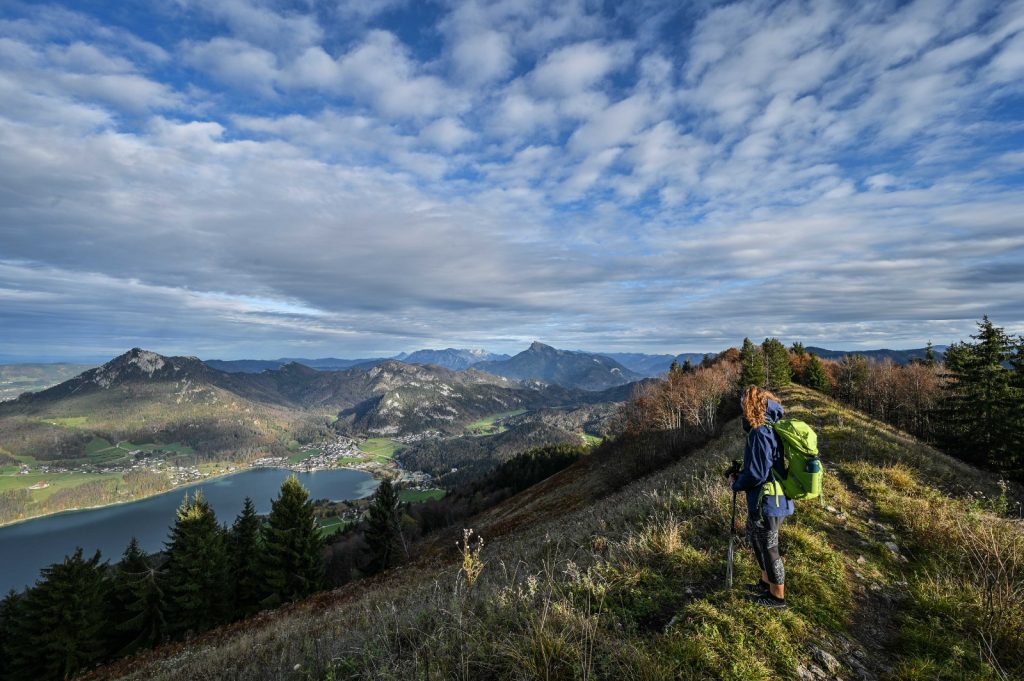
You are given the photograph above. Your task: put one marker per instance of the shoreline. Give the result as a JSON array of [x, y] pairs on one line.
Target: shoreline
[[375, 473]]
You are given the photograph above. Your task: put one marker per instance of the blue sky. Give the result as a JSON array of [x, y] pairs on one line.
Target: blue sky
[[258, 178]]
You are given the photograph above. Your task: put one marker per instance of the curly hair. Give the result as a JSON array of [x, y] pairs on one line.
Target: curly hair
[[754, 404]]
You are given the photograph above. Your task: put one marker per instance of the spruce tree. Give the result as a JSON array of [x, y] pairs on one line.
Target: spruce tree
[[293, 547], [131, 568], [929, 355], [753, 369], [983, 403], [384, 530], [816, 375], [674, 367], [797, 348], [196, 571], [247, 561], [776, 359], [11, 615], [63, 620], [146, 618]]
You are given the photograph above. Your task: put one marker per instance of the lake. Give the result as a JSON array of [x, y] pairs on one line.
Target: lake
[[28, 546]]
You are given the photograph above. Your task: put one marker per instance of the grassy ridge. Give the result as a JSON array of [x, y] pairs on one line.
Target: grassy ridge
[[910, 569]]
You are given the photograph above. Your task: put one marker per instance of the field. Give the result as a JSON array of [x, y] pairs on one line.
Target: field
[[302, 455], [329, 526], [57, 482], [414, 495], [381, 449], [69, 421], [489, 425]]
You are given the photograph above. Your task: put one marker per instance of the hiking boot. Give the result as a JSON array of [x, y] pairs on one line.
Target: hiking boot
[[758, 588], [769, 601]]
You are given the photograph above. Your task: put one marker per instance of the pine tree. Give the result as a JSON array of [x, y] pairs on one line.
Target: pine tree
[[816, 375], [798, 349], [195, 574], [929, 355], [146, 617], [11, 615], [384, 531], [132, 566], [247, 561], [982, 407], [62, 628], [776, 360], [293, 547], [752, 358], [674, 367]]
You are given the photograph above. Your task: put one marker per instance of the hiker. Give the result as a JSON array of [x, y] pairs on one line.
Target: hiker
[[767, 506]]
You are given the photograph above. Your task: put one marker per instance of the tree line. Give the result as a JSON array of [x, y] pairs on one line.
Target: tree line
[[83, 611], [969, 402]]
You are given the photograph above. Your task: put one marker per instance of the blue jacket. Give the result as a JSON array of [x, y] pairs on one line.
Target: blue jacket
[[762, 452]]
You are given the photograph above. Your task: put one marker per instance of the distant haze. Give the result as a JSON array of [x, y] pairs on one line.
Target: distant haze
[[261, 179]]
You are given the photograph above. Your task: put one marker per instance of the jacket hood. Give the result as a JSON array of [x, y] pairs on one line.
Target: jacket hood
[[774, 411]]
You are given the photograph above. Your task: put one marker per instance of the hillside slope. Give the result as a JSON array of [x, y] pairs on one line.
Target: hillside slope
[[912, 568]]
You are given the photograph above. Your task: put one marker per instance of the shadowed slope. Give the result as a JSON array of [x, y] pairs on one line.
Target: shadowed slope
[[630, 586]]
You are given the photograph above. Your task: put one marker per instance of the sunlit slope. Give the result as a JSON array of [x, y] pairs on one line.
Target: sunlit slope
[[910, 569]]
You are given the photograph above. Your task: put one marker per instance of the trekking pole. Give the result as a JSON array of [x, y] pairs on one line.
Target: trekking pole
[[732, 544]]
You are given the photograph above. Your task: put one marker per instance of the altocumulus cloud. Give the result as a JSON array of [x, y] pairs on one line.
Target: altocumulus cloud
[[251, 178]]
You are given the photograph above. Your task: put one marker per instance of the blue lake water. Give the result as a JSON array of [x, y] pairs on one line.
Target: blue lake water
[[26, 547]]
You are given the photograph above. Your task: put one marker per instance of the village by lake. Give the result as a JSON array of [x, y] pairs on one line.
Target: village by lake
[[28, 546]]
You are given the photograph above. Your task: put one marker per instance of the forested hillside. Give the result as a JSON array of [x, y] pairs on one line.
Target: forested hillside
[[630, 584]]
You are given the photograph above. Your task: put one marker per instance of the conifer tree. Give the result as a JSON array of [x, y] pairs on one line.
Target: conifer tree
[[776, 359], [11, 615], [384, 530], [62, 627], [753, 369], [674, 367], [798, 349], [816, 375], [687, 366], [132, 566], [929, 355], [246, 561], [982, 409], [195, 574], [293, 547], [146, 619]]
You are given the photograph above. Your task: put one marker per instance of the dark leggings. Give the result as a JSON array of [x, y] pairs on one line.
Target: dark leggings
[[763, 535]]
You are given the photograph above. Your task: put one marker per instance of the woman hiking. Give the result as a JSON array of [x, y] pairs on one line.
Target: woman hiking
[[767, 506]]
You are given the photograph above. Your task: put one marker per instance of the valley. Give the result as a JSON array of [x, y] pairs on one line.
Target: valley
[[143, 424]]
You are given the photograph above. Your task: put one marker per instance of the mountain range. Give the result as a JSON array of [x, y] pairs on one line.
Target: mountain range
[[142, 396]]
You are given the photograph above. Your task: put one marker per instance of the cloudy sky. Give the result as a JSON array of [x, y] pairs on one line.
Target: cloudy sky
[[258, 178]]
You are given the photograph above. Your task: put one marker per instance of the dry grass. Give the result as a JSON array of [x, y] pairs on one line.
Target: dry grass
[[630, 586]]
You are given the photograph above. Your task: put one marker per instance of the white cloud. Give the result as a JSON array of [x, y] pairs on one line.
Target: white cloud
[[235, 62], [256, 23], [483, 57], [578, 67], [446, 134]]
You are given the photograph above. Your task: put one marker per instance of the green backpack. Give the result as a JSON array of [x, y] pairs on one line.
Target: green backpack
[[804, 471]]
